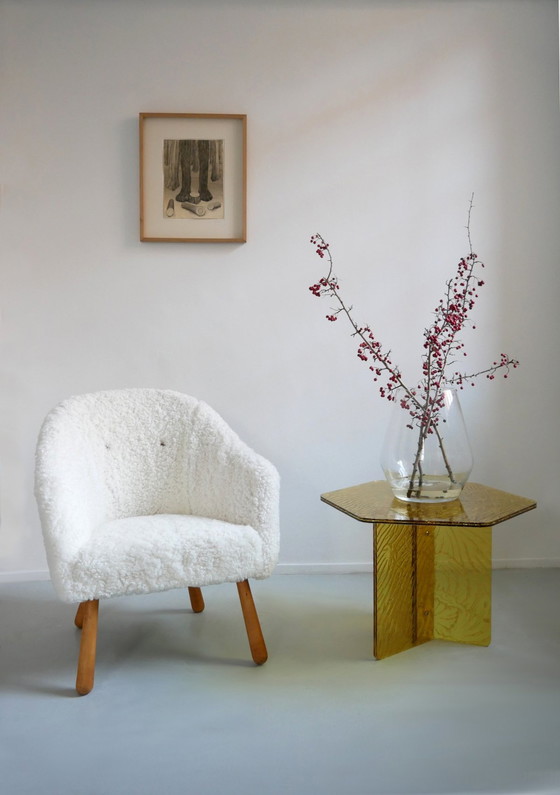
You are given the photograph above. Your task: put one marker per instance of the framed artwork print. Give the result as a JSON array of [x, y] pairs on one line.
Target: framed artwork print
[[193, 177]]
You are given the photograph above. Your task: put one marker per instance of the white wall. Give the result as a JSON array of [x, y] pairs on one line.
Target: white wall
[[371, 122]]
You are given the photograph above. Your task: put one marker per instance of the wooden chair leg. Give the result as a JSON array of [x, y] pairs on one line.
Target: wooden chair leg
[[87, 614], [197, 600], [252, 624], [79, 619]]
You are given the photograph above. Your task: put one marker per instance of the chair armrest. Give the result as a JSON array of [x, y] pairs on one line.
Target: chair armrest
[[70, 495], [234, 483]]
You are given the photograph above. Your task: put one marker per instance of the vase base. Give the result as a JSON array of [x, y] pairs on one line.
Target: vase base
[[426, 499], [433, 490]]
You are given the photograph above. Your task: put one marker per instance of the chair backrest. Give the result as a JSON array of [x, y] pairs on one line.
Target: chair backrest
[[140, 449]]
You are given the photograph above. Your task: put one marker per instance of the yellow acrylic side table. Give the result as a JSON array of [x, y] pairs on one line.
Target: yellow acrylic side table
[[432, 563]]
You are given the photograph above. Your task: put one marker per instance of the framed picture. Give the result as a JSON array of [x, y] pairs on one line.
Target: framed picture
[[193, 177]]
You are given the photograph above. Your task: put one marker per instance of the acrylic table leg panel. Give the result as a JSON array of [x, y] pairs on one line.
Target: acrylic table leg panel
[[463, 584], [430, 582]]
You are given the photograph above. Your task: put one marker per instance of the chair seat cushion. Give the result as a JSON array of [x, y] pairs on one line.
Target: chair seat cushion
[[141, 554]]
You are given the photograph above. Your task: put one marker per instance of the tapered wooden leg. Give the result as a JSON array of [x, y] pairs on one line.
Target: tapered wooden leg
[[197, 600], [88, 614], [252, 624], [79, 619]]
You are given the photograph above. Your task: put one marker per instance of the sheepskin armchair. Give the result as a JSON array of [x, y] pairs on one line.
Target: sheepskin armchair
[[144, 490]]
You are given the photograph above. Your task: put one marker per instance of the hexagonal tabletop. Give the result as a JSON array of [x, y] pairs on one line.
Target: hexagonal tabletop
[[477, 506]]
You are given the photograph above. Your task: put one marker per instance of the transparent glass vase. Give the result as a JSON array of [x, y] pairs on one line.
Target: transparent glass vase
[[429, 463]]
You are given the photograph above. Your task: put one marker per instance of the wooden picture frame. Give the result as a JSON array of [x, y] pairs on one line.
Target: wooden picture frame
[[193, 177]]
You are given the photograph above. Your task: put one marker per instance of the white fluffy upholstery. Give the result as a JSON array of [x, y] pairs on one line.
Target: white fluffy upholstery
[[143, 490]]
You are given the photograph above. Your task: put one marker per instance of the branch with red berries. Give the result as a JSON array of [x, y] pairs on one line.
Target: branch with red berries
[[442, 343]]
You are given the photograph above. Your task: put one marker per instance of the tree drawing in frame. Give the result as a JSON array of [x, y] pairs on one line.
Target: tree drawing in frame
[[193, 179]]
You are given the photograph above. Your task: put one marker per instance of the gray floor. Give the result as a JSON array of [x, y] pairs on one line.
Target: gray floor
[[179, 708]]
